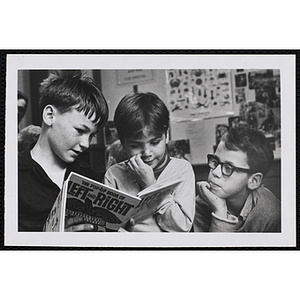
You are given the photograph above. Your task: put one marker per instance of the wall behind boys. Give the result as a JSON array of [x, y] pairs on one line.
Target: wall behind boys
[[114, 92]]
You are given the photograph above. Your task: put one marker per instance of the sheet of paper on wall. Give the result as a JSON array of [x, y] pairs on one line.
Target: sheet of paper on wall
[[250, 95], [201, 144], [202, 139], [201, 136]]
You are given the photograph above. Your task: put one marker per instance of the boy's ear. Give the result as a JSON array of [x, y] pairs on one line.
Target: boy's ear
[[167, 137], [255, 180], [48, 115]]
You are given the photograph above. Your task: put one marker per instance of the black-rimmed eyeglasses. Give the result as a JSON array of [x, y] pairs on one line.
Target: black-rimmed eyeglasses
[[227, 169]]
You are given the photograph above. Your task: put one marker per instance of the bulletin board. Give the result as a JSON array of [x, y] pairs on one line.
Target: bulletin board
[[198, 94], [257, 96], [204, 104]]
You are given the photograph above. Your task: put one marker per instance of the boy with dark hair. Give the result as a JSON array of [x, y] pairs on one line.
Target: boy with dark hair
[[233, 199], [72, 109], [142, 122]]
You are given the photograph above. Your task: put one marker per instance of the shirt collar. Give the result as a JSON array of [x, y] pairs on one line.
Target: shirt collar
[[25, 161], [158, 170], [248, 206]]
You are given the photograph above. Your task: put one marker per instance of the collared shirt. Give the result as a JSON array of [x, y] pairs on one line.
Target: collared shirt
[[37, 192], [248, 206]]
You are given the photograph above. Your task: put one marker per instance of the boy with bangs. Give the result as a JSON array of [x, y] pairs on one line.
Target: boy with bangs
[[142, 122], [233, 199], [72, 109]]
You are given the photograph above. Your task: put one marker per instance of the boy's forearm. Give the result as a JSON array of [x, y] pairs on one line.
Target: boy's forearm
[[172, 214], [221, 211], [174, 219]]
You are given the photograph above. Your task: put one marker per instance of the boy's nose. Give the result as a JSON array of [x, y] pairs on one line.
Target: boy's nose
[[217, 171], [146, 150], [84, 142]]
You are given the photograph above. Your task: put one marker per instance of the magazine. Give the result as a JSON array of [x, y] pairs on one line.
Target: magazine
[[103, 206]]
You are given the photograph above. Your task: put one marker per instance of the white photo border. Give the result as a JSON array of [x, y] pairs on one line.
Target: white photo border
[[285, 62]]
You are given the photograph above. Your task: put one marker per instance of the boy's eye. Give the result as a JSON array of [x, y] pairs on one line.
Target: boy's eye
[[134, 146], [156, 142], [214, 161], [227, 168], [92, 136], [80, 131]]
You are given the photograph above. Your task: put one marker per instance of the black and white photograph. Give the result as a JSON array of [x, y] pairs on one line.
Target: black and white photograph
[[150, 151], [250, 60]]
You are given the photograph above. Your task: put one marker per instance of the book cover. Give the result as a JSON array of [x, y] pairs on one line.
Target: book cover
[[104, 206]]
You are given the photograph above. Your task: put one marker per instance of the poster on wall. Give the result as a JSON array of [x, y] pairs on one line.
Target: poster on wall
[[196, 94]]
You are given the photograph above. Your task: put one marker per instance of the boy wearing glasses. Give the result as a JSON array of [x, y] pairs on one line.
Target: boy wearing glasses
[[233, 199]]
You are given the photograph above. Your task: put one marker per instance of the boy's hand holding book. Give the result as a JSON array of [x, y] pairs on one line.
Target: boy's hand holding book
[[128, 226], [77, 224]]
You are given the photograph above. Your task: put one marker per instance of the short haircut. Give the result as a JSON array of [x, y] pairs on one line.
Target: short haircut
[[136, 111], [72, 88], [252, 142]]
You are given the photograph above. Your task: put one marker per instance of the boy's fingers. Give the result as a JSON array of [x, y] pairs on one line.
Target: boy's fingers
[[135, 162], [210, 198], [129, 225], [203, 186], [131, 222], [73, 221], [130, 166], [76, 224], [80, 227], [139, 161], [207, 192]]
